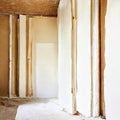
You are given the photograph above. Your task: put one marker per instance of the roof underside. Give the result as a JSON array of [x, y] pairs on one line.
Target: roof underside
[[29, 7]]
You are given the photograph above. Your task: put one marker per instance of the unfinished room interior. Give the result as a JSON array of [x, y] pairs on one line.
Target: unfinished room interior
[[59, 59]]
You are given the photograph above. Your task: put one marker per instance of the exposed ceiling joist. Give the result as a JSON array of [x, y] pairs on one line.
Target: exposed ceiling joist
[[29, 7]]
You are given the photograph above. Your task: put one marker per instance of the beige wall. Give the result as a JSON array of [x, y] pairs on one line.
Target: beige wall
[[112, 60], [64, 54], [4, 56], [43, 32]]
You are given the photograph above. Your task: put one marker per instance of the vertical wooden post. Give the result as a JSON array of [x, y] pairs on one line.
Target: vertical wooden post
[[74, 54], [13, 55], [29, 61], [103, 9]]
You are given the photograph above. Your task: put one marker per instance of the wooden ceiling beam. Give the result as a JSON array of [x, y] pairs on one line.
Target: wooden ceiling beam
[[29, 7]]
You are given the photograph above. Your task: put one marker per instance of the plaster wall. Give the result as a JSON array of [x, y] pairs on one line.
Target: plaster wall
[[64, 54], [112, 59], [83, 58], [43, 32]]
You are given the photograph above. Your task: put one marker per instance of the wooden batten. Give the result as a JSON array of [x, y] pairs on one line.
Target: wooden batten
[[74, 54], [103, 9], [29, 60], [13, 56]]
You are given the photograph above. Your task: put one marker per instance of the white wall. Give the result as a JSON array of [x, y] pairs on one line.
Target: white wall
[[44, 56], [46, 70], [83, 58], [64, 54], [112, 59]]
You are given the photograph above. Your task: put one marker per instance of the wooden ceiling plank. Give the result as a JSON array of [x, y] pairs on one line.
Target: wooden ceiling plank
[[29, 7]]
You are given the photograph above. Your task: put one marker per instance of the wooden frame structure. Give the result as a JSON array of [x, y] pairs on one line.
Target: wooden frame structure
[[27, 80]]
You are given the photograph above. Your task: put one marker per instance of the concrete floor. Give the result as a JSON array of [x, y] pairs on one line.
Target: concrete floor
[[45, 110], [34, 109], [8, 107]]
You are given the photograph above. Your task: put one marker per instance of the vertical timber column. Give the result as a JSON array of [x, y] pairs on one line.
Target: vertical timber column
[[103, 10], [95, 58], [29, 60], [13, 56], [74, 54], [22, 56]]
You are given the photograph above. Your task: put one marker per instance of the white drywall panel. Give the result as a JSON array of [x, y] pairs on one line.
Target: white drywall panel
[[83, 58], [46, 70], [64, 54], [112, 60]]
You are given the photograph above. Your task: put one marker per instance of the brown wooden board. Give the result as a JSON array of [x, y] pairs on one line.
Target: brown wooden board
[[32, 7], [4, 56]]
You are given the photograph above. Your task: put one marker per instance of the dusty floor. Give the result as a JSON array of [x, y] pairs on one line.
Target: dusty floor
[[34, 109], [8, 107]]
